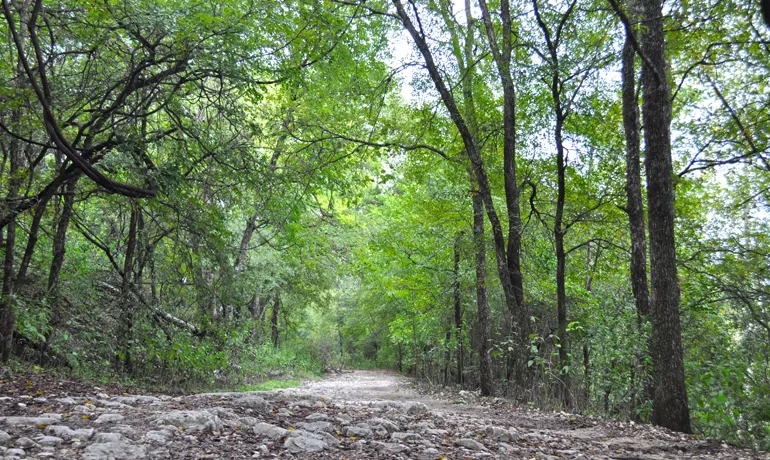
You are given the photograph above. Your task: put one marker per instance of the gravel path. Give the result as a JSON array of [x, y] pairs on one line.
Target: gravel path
[[355, 415]]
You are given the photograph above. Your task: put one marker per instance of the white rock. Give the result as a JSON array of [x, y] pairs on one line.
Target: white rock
[[109, 437], [191, 420], [297, 444], [269, 431], [108, 418], [115, 451], [44, 440], [469, 444], [67, 433]]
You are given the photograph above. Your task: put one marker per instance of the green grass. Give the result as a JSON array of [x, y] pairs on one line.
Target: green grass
[[271, 384]]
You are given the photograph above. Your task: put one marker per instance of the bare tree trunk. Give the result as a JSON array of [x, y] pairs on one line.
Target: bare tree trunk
[[274, 319], [501, 53], [485, 360], [561, 261], [670, 406], [126, 317], [7, 303], [458, 310], [34, 232], [559, 231], [471, 149], [635, 206], [59, 249]]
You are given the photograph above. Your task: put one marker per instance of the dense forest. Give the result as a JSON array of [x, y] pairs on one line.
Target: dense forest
[[563, 203]]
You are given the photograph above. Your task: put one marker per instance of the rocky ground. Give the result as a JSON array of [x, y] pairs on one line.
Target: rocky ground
[[357, 415]]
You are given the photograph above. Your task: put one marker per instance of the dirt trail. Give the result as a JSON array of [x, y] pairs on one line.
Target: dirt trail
[[355, 415]]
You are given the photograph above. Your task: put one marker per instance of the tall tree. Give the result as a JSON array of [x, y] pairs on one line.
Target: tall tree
[[670, 405]]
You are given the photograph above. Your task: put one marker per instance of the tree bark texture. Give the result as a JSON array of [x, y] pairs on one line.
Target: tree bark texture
[[458, 310], [635, 206], [482, 300], [670, 406], [58, 249], [274, 319]]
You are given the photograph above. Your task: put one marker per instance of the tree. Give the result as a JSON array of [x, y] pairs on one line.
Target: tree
[[670, 404]]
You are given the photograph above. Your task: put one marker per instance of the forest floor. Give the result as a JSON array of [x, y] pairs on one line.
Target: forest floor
[[354, 415]]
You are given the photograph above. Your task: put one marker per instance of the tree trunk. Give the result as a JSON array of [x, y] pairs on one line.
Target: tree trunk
[[561, 261], [59, 248], [458, 310], [274, 319], [635, 207], [7, 303], [126, 317], [482, 300], [501, 53], [670, 408], [34, 232], [471, 149]]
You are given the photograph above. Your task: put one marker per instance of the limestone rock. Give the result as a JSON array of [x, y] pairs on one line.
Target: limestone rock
[[269, 431], [358, 431], [67, 433], [109, 418], [316, 427], [191, 420], [109, 437], [298, 444], [30, 421], [115, 451], [44, 440], [469, 444]]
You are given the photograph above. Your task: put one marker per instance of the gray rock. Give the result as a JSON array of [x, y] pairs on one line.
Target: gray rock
[[191, 420], [391, 447], [161, 437], [269, 431], [142, 399], [317, 416], [115, 405], [358, 431], [299, 444], [67, 401], [384, 423], [4, 438], [109, 437], [44, 440], [329, 439], [500, 434], [303, 403], [67, 433], [316, 427], [129, 400], [109, 418], [247, 421], [15, 453], [26, 443], [406, 437], [542, 456], [469, 444], [30, 421], [115, 451], [417, 408], [253, 402], [128, 431], [343, 419]]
